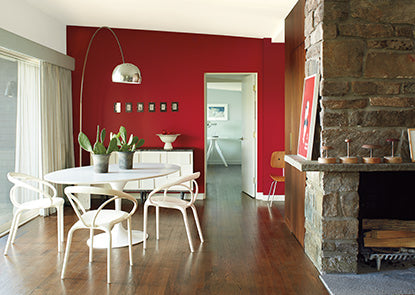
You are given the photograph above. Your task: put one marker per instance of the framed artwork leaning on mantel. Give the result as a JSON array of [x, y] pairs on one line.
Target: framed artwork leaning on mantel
[[411, 140], [308, 117]]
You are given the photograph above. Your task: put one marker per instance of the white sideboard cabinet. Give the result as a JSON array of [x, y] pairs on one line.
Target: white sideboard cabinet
[[181, 157]]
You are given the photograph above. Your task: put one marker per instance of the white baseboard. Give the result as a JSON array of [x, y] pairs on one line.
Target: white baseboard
[[261, 196], [221, 163], [200, 196]]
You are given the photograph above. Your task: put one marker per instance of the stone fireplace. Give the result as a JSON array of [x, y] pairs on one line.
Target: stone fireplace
[[364, 52]]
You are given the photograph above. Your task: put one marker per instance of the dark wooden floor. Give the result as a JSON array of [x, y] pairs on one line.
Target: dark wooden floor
[[247, 250]]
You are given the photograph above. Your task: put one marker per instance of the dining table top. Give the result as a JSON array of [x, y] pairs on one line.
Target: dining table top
[[86, 174]]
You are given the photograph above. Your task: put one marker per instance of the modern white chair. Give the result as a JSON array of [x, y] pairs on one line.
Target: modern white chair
[[165, 201], [100, 219], [277, 161], [44, 200]]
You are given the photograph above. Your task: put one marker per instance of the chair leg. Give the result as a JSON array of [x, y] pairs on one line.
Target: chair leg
[[273, 193], [12, 232], [68, 249], [186, 224], [109, 256], [91, 245], [130, 241], [270, 189], [145, 225], [199, 230], [157, 222], [16, 226], [59, 211]]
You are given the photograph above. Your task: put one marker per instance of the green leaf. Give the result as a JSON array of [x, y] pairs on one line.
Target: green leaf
[[97, 138], [124, 148], [123, 133], [99, 148], [112, 146], [139, 143], [103, 133], [84, 142], [133, 140], [119, 142]]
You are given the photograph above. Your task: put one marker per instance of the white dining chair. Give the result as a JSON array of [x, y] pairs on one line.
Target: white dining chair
[[99, 219], [23, 182], [159, 198]]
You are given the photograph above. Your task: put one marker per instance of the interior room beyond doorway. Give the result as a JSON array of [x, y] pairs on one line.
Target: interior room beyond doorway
[[230, 124]]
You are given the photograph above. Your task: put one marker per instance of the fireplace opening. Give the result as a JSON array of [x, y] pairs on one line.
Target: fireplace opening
[[386, 217]]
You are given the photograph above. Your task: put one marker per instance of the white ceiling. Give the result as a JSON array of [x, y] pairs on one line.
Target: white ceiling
[[245, 18]]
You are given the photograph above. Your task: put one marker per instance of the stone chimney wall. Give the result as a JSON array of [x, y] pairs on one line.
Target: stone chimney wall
[[364, 51]]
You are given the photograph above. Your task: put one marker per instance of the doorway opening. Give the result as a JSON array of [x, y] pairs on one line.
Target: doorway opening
[[230, 127]]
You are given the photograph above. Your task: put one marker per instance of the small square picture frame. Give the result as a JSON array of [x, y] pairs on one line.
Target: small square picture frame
[[163, 107], [140, 107], [151, 107], [175, 106], [117, 107], [128, 107]]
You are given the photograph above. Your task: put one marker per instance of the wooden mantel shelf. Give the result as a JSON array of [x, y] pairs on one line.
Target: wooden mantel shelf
[[304, 165]]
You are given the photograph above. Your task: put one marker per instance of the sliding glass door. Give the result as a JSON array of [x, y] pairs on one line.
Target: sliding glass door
[[19, 128], [8, 109]]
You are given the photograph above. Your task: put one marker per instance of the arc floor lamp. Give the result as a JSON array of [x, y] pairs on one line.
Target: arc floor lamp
[[123, 73]]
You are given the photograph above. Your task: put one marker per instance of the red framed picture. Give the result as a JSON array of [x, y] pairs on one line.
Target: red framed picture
[[308, 117]]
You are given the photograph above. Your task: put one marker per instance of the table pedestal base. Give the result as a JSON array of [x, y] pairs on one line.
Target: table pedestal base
[[119, 238]]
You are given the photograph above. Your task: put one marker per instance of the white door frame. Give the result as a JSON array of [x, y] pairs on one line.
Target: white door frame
[[256, 124]]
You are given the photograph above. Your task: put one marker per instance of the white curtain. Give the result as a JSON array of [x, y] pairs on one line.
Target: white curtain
[[56, 118], [28, 123], [44, 140], [56, 121]]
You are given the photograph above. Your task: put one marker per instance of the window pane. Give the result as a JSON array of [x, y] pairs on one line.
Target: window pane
[[8, 105]]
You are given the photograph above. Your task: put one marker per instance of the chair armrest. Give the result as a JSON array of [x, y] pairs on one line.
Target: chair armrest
[[22, 180]]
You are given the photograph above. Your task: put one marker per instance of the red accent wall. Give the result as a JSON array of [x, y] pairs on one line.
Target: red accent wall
[[173, 67], [271, 118]]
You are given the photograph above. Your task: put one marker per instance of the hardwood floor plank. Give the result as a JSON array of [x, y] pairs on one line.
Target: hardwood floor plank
[[247, 250]]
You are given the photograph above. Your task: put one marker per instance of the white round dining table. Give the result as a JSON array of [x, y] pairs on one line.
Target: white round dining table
[[117, 178]]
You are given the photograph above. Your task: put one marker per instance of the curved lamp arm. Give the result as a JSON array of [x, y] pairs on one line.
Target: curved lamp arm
[[123, 73]]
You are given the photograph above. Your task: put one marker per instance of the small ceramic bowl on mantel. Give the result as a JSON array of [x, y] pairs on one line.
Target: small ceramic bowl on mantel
[[168, 139]]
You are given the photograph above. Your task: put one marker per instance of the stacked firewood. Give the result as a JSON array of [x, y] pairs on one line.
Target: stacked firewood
[[388, 233]]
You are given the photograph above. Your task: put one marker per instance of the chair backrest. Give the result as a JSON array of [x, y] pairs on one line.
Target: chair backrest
[[277, 159], [180, 182], [79, 209], [31, 183]]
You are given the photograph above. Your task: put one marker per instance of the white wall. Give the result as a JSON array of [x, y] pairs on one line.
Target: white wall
[[20, 18], [231, 129]]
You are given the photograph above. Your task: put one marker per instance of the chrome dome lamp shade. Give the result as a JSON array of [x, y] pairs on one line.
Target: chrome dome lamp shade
[[126, 73], [123, 73]]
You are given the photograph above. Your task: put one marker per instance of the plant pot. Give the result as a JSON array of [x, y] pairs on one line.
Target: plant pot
[[101, 163], [125, 160]]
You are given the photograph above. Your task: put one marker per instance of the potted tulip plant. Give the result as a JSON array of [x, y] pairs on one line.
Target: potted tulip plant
[[99, 152], [126, 148]]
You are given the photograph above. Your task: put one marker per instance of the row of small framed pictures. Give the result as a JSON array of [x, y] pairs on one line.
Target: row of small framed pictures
[[140, 107]]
